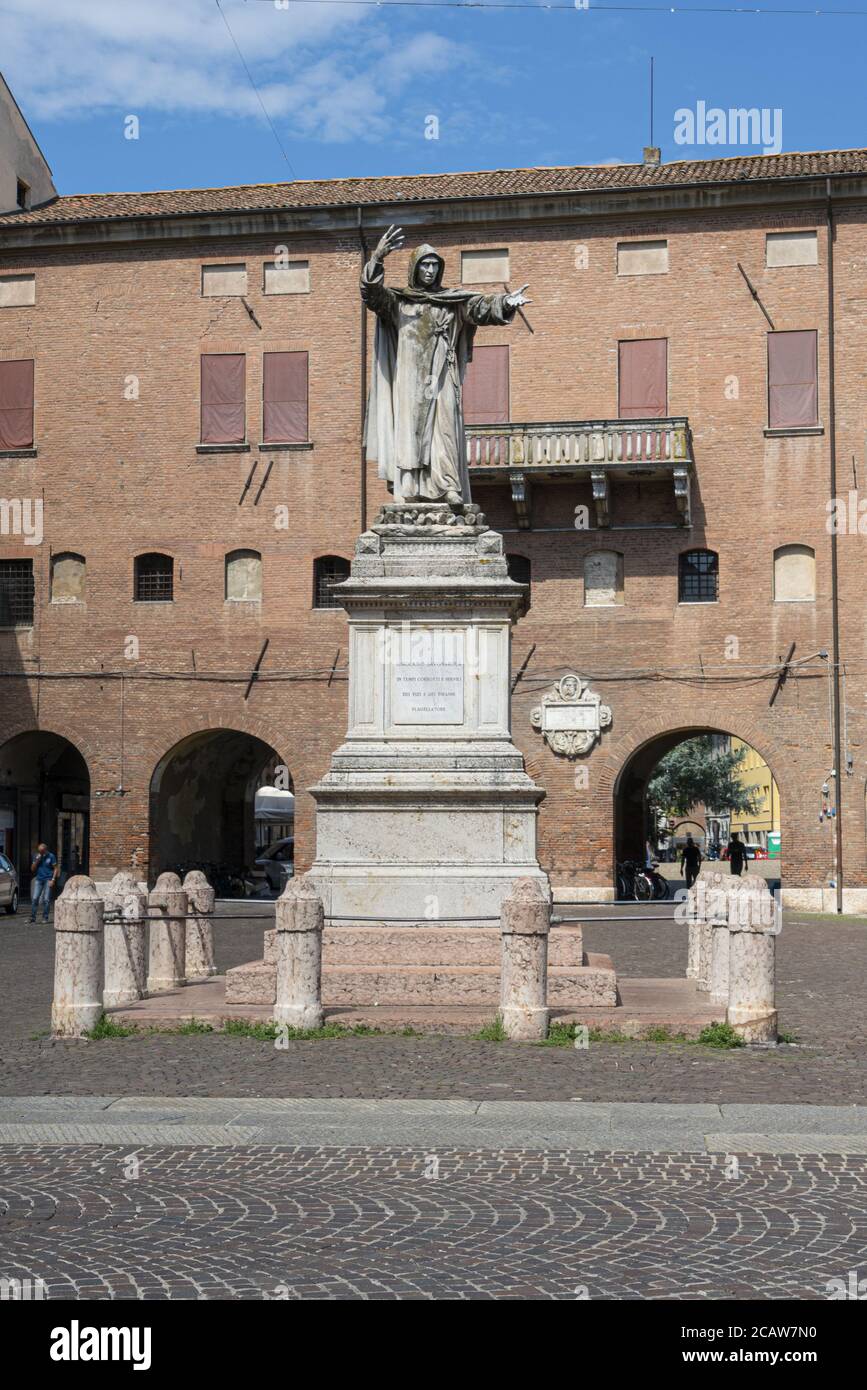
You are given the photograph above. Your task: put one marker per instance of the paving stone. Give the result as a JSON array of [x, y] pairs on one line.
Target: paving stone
[[329, 1222]]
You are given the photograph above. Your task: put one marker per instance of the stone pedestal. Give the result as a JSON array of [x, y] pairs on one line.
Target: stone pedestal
[[167, 906], [427, 812], [753, 934], [125, 941], [78, 959], [526, 920], [299, 955], [199, 944]]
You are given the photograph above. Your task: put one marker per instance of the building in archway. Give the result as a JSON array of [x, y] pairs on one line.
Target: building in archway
[[656, 455], [44, 796]]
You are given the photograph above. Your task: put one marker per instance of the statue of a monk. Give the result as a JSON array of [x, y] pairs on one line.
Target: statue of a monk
[[424, 340]]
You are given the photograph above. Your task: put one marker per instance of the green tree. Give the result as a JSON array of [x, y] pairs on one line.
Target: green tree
[[696, 772]]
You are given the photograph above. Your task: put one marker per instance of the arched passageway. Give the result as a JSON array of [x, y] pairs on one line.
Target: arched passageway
[[44, 796], [203, 800], [638, 822]]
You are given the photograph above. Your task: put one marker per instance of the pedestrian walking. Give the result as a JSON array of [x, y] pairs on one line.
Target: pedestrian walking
[[690, 861], [44, 870], [737, 853]]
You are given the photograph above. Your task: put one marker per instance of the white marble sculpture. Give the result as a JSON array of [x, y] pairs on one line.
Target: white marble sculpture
[[424, 340]]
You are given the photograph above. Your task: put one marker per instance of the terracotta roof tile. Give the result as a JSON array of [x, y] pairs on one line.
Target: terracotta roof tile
[[263, 197]]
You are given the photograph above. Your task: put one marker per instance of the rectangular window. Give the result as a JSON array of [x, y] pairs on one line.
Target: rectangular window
[[16, 290], [793, 386], [486, 387], [698, 577], [223, 279], [485, 267], [791, 248], [16, 405], [16, 593], [643, 379], [642, 257], [291, 277], [284, 398], [223, 398]]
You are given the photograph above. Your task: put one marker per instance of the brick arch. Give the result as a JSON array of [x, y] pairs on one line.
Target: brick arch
[[689, 721], [201, 794], [154, 752], [62, 729], [685, 721]]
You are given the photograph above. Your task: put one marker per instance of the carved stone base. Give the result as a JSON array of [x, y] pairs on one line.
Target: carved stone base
[[427, 811]]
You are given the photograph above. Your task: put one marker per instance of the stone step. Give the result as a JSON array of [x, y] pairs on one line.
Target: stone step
[[443, 946], [571, 986]]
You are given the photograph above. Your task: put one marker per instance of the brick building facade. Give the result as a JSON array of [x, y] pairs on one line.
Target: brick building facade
[[604, 464]]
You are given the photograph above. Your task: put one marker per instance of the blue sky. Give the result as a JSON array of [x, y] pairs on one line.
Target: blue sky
[[351, 88]]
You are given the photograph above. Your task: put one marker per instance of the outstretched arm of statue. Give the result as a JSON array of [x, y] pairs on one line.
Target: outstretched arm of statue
[[495, 308], [373, 288]]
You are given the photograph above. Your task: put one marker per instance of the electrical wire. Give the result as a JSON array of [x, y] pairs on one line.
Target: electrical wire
[[255, 89]]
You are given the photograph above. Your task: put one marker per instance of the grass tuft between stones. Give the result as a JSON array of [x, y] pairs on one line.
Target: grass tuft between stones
[[718, 1035], [264, 1031]]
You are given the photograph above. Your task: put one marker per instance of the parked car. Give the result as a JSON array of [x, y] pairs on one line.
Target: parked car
[[8, 885], [277, 863]]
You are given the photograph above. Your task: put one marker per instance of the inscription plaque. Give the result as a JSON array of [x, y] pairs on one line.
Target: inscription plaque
[[584, 717], [428, 692]]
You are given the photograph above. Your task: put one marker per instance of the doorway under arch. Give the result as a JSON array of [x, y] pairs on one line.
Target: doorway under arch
[[44, 797], [709, 826], [203, 801]]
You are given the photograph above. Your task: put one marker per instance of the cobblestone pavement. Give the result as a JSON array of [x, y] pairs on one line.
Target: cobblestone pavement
[[822, 985], [374, 1223]]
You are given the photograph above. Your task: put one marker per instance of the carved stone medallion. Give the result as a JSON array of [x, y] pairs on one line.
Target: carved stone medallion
[[571, 717]]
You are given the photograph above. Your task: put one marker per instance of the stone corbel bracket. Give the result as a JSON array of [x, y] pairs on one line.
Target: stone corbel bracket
[[683, 495], [521, 499], [601, 497]]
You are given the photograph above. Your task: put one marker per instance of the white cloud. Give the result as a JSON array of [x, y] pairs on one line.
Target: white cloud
[[324, 72]]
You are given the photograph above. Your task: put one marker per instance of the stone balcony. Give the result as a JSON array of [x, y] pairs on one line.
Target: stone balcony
[[603, 450]]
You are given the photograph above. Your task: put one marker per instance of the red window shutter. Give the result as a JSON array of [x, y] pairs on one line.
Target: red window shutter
[[284, 397], [16, 405], [643, 379], [793, 386], [223, 390], [486, 387]]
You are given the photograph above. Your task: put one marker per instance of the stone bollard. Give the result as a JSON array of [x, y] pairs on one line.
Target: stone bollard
[[525, 920], [752, 933], [199, 953], [300, 918], [78, 916], [707, 911], [166, 900], [718, 960], [125, 941]]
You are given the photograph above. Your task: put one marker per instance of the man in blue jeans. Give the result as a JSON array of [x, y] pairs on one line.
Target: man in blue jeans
[[44, 870]]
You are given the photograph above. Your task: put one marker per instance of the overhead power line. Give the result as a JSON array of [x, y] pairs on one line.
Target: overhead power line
[[255, 88]]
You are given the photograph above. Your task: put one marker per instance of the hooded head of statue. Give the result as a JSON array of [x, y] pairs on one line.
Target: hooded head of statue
[[426, 268]]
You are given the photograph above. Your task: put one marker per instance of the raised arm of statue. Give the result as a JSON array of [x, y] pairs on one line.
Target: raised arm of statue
[[375, 293], [373, 288]]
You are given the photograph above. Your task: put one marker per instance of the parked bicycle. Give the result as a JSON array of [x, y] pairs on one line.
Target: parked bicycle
[[637, 883]]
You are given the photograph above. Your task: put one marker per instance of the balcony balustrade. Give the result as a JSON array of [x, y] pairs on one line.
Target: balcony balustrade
[[521, 453]]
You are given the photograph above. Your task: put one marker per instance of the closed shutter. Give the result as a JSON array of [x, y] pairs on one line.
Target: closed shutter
[[793, 389], [486, 387], [643, 379], [16, 405], [223, 390], [284, 387]]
